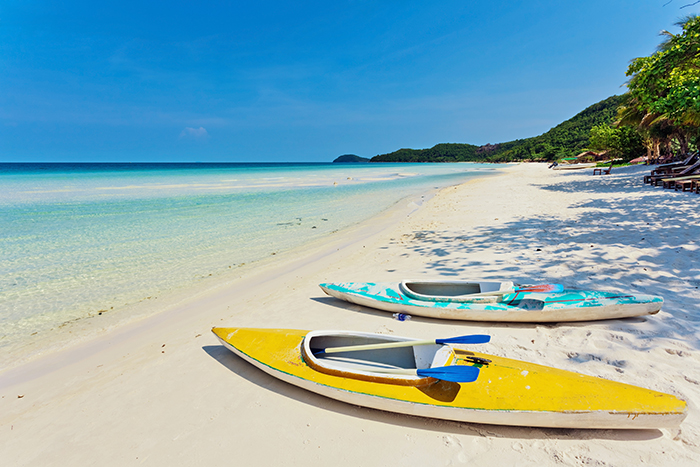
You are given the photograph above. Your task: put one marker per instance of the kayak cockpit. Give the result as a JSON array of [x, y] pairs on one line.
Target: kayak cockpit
[[456, 291], [387, 365]]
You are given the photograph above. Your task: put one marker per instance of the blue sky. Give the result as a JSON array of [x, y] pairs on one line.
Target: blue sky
[[270, 81]]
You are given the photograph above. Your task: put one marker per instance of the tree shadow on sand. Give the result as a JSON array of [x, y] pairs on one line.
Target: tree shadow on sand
[[643, 244]]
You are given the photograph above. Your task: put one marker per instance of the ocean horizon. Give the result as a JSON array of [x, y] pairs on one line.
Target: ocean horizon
[[81, 239]]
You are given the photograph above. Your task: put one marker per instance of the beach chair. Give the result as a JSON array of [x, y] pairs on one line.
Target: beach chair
[[675, 173], [674, 182], [603, 170], [695, 186], [667, 169], [683, 183]]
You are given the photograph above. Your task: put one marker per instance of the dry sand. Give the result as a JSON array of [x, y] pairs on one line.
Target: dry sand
[[161, 391]]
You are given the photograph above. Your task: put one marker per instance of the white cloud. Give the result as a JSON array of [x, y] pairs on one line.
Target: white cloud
[[194, 134]]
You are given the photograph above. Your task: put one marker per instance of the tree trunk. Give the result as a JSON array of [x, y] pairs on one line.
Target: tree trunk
[[657, 150], [683, 143]]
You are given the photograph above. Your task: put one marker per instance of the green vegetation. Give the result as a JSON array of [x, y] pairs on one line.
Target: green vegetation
[[345, 158], [663, 102], [567, 139], [619, 143], [445, 152]]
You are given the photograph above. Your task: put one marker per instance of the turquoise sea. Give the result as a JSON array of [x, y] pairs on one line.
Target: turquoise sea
[[80, 239]]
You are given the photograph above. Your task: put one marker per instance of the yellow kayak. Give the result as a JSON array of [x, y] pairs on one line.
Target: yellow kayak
[[424, 378]]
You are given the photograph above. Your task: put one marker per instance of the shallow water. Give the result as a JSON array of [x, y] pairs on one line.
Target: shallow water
[[79, 239]]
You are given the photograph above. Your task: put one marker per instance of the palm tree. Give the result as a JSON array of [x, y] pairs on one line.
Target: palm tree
[[653, 127], [663, 102]]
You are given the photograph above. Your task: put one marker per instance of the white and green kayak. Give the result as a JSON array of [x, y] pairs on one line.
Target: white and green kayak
[[494, 301]]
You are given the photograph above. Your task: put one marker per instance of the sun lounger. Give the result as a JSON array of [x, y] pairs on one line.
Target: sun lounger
[[695, 186], [668, 169], [688, 161], [691, 170], [655, 178], [682, 183], [603, 170], [671, 182]]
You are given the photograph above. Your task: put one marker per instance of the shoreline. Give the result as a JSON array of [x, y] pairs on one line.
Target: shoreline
[[81, 331], [74, 331], [164, 391]]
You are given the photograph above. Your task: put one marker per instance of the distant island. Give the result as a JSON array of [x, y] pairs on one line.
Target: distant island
[[567, 139], [350, 158]]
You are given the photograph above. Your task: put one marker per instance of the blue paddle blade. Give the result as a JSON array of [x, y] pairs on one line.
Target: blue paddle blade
[[454, 373], [471, 339]]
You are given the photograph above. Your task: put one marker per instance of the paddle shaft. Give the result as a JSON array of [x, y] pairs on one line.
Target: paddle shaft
[[469, 339], [387, 345], [535, 288], [396, 371]]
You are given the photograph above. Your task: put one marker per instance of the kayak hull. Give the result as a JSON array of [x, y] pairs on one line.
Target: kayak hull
[[566, 306], [507, 392]]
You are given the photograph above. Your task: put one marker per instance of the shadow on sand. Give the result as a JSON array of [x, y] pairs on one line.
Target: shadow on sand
[[642, 244]]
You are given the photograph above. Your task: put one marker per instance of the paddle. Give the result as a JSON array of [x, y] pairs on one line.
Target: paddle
[[541, 288], [454, 373], [470, 339]]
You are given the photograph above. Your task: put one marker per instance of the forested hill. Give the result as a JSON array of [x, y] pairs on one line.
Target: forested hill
[[564, 140]]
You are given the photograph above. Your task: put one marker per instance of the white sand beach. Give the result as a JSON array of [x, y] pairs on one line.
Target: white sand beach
[[162, 391]]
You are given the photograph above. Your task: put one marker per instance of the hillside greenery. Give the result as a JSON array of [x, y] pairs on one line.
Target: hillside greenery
[[349, 158], [621, 142], [444, 152], [567, 139]]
